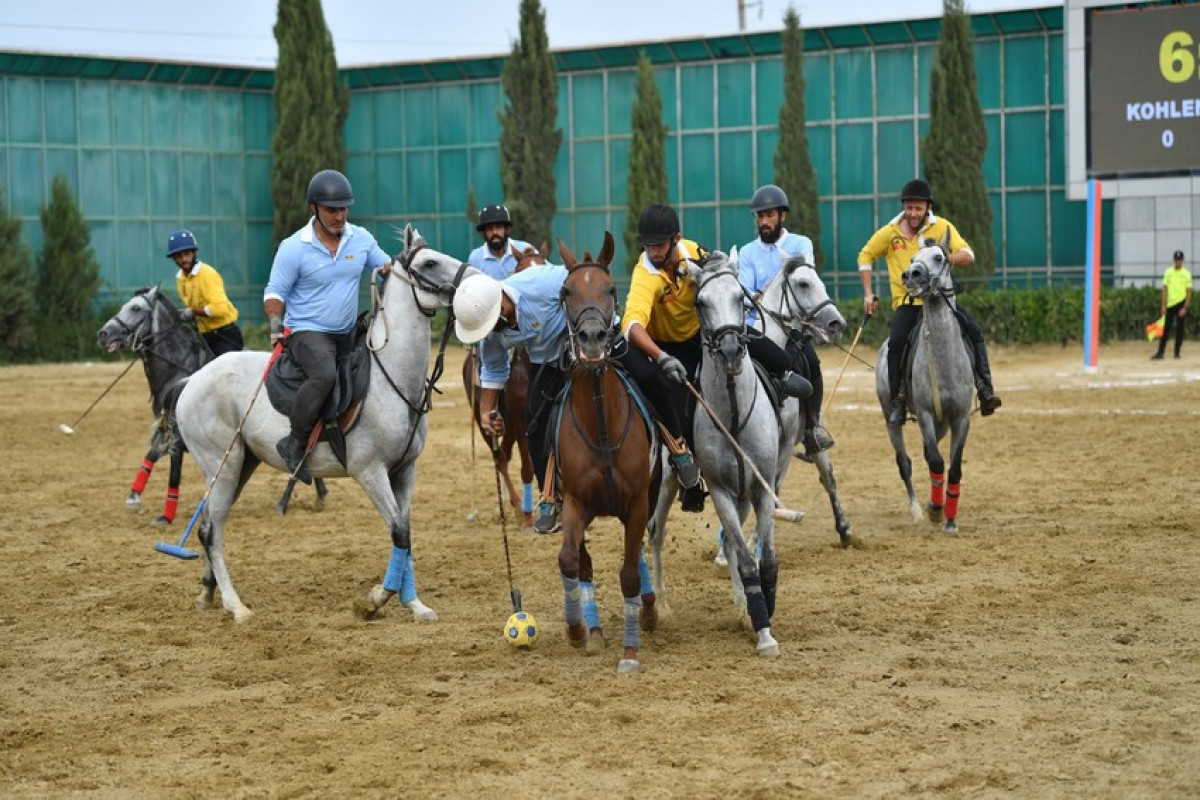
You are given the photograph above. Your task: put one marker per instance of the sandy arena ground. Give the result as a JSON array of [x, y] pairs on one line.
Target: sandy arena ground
[[1052, 650]]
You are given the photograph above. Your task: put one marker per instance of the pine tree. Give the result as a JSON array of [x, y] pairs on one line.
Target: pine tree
[[529, 142], [67, 280], [310, 111], [794, 171], [16, 288], [953, 151], [647, 154]]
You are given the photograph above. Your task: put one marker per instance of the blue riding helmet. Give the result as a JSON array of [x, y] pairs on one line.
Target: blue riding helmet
[[181, 242]]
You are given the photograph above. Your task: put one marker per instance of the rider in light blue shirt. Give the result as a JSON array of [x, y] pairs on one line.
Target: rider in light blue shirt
[[758, 262], [495, 257], [541, 324]]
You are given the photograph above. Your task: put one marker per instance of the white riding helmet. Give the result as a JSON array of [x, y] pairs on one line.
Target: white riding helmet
[[476, 308]]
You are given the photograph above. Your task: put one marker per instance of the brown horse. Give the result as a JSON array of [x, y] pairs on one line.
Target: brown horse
[[605, 453], [512, 408]]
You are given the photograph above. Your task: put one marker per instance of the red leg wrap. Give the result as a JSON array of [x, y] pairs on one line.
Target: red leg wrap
[[952, 493], [143, 475], [172, 505], [937, 496]]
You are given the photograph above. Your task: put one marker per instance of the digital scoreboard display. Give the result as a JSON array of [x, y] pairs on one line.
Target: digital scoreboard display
[[1143, 86]]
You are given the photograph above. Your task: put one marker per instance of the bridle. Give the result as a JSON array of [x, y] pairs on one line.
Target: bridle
[[711, 338], [602, 316], [794, 315], [140, 338]]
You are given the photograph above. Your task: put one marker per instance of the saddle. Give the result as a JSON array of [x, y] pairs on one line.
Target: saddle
[[340, 413]]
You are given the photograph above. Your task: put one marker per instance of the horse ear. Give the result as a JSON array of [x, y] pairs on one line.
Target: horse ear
[[410, 233], [733, 257], [606, 252], [517, 254], [544, 250], [945, 242], [568, 257]]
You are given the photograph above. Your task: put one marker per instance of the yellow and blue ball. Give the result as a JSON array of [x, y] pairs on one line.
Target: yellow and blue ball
[[521, 630]]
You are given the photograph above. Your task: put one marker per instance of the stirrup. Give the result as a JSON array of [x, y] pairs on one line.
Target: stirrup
[[816, 441], [686, 469], [548, 517], [989, 401], [897, 412], [292, 452]]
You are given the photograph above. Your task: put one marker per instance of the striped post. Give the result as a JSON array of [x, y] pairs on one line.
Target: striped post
[[1091, 302]]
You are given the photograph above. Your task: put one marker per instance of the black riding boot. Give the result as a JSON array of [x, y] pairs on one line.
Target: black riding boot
[[291, 448], [989, 401]]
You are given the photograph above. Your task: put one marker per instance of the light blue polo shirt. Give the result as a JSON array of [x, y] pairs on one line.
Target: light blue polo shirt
[[759, 262], [541, 323], [319, 290], [499, 268]]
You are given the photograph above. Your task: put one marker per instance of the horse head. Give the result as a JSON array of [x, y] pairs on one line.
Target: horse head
[[134, 324], [721, 309], [589, 300], [928, 275], [806, 301], [433, 276], [530, 256]]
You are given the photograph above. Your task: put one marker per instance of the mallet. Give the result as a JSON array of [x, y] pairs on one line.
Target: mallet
[[849, 353], [513, 592], [70, 429]]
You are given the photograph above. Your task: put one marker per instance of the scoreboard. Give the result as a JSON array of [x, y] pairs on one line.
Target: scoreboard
[[1143, 91]]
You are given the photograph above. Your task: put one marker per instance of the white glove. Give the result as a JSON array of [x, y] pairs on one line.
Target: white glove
[[672, 367], [186, 315]]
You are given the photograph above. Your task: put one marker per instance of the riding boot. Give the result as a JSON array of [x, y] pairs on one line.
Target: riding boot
[[796, 385], [292, 449], [989, 401]]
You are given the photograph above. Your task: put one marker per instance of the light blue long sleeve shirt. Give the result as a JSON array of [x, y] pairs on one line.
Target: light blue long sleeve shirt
[[758, 263], [499, 268], [320, 290], [541, 323]]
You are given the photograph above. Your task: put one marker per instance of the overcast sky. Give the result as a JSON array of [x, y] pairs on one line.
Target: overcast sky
[[238, 32]]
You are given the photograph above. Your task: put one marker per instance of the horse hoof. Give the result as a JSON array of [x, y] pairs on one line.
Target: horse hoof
[[628, 666], [648, 618], [422, 612], [767, 647], [162, 522], [242, 614], [918, 513], [719, 560], [474, 515], [951, 527], [378, 596], [577, 635], [935, 513], [846, 538], [134, 501], [595, 642]]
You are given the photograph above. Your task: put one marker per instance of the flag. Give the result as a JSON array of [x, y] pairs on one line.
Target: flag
[[1154, 330]]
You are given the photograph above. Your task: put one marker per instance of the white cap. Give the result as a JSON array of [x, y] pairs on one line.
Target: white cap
[[476, 308]]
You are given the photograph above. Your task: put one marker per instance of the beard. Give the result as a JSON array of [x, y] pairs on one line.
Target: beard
[[497, 244], [770, 234]]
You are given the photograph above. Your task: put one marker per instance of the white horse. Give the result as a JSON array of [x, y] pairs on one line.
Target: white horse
[[382, 449], [941, 386], [733, 391], [796, 300]]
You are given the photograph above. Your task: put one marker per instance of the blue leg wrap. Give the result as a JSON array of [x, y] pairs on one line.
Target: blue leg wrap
[[397, 565], [408, 586], [644, 574], [527, 498], [633, 628], [591, 612], [572, 607], [720, 537]]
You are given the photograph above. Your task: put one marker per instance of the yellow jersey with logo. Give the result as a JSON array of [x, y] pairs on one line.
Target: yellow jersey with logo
[[666, 308], [204, 288], [890, 243]]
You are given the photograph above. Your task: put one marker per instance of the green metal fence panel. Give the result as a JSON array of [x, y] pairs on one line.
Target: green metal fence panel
[[699, 223], [485, 174], [820, 150], [96, 195], [665, 78], [258, 119], [1025, 244], [621, 93], [358, 135], [389, 196], [95, 114], [1068, 222], [104, 241], [62, 162], [360, 171], [388, 122], [135, 249], [162, 105], [25, 110], [164, 183], [696, 97], [420, 185], [618, 160], [925, 57], [852, 84], [196, 170], [1025, 71], [1025, 149], [768, 90], [1057, 75], [132, 186], [818, 87], [419, 117], [736, 152], [453, 113], [256, 186], [562, 118], [485, 110], [587, 105], [671, 156], [894, 81], [1057, 143], [699, 157], [737, 226], [589, 232], [129, 116], [765, 143], [897, 151], [855, 144], [590, 175], [855, 222], [734, 100], [991, 156], [228, 199], [59, 109], [4, 130], [562, 177], [987, 73], [196, 128], [453, 172]]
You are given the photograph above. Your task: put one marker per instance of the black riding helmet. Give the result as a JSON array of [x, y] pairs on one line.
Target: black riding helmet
[[330, 188], [916, 189], [769, 197], [657, 224], [493, 215]]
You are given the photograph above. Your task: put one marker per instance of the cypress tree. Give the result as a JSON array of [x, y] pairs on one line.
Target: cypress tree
[[794, 171], [953, 151], [647, 181], [310, 110], [67, 280], [529, 142], [16, 287]]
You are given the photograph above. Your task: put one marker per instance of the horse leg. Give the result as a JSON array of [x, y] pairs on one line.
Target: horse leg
[[392, 496], [840, 523], [904, 465], [322, 491], [958, 443], [134, 500], [631, 587], [649, 618], [569, 558], [591, 611], [282, 505], [527, 478], [768, 575], [657, 533], [221, 497], [732, 514], [937, 470], [171, 506]]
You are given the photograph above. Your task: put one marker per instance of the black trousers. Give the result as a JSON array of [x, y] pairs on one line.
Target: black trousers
[[317, 354], [226, 339], [906, 318], [545, 385], [1173, 319]]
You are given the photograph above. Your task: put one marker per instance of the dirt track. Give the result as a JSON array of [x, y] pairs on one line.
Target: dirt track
[[1051, 650]]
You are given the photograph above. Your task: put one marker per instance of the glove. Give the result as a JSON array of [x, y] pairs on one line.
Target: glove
[[276, 329], [672, 367], [186, 315]]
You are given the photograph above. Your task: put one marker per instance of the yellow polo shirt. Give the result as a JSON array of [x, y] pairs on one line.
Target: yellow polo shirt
[[204, 288], [665, 308], [1177, 282], [890, 242]]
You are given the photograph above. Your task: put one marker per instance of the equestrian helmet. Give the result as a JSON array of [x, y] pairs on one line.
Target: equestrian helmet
[[181, 242], [657, 224], [330, 188], [476, 307], [769, 197], [493, 215], [916, 189]]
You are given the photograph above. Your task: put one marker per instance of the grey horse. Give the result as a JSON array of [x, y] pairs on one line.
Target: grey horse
[[737, 397], [941, 386], [382, 449]]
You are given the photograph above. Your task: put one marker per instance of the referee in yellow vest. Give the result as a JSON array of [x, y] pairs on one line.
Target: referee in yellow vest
[[1176, 297]]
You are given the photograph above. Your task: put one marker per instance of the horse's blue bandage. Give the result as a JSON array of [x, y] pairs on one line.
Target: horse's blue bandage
[[398, 577], [633, 628], [644, 574], [408, 586], [591, 612], [720, 537], [572, 608], [527, 498]]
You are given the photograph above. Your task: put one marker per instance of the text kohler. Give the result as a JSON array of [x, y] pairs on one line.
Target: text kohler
[[1163, 109]]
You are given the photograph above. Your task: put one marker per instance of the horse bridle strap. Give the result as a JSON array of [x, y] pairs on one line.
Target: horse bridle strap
[[590, 310]]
